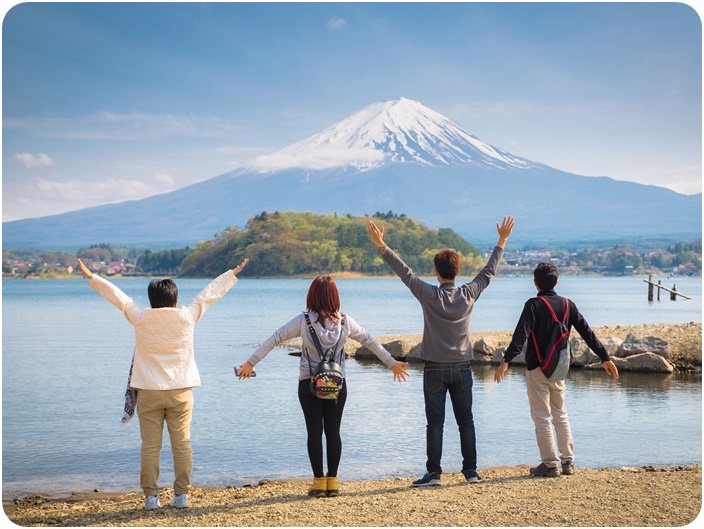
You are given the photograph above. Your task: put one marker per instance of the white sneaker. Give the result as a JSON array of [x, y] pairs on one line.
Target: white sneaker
[[180, 501], [151, 503]]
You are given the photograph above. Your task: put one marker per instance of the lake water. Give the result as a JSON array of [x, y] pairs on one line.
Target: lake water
[[66, 353]]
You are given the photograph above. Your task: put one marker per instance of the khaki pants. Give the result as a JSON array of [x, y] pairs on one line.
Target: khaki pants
[[547, 409], [174, 406]]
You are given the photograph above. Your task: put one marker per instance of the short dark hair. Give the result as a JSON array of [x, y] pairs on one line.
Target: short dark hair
[[162, 293], [545, 275], [447, 263]]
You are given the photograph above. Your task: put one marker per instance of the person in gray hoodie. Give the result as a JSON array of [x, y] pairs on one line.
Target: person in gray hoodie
[[332, 329], [446, 349]]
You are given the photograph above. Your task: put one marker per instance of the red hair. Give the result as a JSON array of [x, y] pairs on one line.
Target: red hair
[[323, 299]]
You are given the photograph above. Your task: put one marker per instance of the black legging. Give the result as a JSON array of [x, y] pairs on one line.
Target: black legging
[[322, 415]]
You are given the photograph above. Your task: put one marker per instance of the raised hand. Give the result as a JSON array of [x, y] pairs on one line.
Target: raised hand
[[505, 230], [240, 267], [375, 234], [85, 270]]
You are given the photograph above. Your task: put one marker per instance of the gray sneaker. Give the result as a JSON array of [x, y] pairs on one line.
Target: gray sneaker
[[544, 471], [180, 501], [151, 503], [567, 468]]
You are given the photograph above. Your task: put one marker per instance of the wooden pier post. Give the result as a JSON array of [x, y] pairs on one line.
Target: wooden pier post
[[673, 294], [659, 289], [650, 288]]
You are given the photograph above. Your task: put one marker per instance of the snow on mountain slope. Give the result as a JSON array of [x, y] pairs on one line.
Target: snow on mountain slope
[[396, 131]]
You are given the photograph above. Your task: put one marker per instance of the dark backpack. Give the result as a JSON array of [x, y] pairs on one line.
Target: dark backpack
[[555, 360], [326, 381]]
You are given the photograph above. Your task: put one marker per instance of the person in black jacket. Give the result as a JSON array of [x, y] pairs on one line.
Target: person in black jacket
[[546, 397]]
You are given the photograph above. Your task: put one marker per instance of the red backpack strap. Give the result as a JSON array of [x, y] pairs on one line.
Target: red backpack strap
[[552, 312], [567, 306]]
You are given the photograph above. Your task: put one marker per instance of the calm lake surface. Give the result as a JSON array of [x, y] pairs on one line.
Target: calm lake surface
[[66, 353]]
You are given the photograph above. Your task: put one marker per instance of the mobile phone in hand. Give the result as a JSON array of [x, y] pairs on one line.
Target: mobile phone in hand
[[238, 370]]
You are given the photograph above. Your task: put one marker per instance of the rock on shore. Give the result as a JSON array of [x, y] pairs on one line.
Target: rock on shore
[[631, 497], [658, 348]]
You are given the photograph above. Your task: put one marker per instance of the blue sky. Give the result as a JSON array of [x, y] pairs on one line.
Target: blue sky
[[110, 102]]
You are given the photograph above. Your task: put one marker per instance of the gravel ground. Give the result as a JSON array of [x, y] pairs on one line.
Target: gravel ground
[[627, 497]]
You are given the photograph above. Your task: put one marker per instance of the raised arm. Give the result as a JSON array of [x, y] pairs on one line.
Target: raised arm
[[112, 294], [418, 287], [216, 289], [482, 279]]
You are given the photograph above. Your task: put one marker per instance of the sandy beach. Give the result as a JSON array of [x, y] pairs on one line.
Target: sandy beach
[[610, 497]]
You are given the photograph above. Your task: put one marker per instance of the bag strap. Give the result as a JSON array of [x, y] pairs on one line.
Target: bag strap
[[314, 336], [554, 316], [316, 340]]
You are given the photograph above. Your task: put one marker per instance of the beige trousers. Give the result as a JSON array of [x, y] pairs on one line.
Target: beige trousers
[[175, 406], [547, 409]]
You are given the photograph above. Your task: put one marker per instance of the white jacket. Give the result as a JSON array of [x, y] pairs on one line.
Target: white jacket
[[164, 357]]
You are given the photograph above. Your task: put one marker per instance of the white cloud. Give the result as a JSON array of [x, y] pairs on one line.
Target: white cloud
[[318, 159], [165, 178], [32, 161], [95, 192], [336, 23]]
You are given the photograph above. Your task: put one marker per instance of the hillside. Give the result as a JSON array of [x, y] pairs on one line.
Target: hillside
[[289, 243]]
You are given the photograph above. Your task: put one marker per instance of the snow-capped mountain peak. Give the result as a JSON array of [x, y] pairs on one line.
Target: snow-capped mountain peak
[[394, 131]]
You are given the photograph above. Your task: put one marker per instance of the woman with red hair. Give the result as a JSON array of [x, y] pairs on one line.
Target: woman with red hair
[[332, 329]]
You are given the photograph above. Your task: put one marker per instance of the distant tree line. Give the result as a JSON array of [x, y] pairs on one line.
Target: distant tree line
[[289, 243]]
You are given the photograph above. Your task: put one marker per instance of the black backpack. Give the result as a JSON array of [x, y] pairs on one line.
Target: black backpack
[[555, 360], [326, 381]]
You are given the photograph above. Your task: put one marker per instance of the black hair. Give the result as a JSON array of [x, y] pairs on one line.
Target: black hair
[[162, 293], [545, 275]]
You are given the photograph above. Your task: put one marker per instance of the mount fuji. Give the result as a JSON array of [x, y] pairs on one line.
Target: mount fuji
[[392, 155]]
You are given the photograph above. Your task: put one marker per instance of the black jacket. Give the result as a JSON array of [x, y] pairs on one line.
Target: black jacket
[[536, 317]]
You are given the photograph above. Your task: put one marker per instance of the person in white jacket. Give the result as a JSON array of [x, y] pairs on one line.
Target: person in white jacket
[[332, 328], [164, 372]]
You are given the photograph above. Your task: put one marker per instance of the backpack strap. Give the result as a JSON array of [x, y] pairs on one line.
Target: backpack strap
[[554, 316], [314, 336], [316, 340]]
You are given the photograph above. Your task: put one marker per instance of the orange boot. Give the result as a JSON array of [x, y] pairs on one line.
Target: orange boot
[[333, 487], [319, 487]]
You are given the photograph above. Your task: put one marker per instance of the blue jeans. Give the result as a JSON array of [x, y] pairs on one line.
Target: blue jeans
[[438, 379]]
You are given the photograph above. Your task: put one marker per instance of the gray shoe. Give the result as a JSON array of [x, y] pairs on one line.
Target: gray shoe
[[179, 501], [151, 503], [544, 471], [567, 468]]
